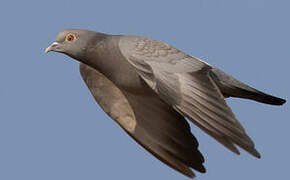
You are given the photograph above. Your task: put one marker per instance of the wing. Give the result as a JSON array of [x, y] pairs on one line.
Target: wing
[[151, 122], [184, 83]]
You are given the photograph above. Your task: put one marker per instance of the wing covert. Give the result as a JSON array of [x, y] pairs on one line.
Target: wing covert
[[184, 83]]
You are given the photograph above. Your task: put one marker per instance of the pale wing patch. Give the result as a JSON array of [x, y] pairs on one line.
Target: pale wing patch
[[110, 98]]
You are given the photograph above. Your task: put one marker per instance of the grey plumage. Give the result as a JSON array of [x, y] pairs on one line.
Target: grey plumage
[[148, 87]]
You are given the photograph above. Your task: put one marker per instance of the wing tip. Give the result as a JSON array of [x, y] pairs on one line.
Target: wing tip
[[189, 173], [255, 153], [202, 169]]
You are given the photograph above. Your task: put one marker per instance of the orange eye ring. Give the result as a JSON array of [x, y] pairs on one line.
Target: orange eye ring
[[70, 38]]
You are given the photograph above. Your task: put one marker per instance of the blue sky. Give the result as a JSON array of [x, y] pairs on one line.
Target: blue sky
[[51, 128]]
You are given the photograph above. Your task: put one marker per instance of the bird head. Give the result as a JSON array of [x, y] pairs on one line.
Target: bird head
[[74, 42]]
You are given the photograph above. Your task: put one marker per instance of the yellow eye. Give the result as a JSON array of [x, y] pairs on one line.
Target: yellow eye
[[70, 38]]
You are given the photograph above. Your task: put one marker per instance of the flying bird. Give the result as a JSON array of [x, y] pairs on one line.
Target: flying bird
[[149, 87]]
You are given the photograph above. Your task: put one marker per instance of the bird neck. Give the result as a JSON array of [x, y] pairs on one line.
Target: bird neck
[[102, 56]]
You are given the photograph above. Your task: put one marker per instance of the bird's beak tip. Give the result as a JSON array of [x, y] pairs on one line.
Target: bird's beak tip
[[47, 50], [51, 47]]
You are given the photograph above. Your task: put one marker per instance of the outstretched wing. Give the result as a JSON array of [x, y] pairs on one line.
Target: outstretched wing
[[184, 83], [151, 122]]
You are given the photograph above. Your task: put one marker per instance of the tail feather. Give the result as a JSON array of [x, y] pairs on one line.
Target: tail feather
[[231, 87], [262, 97]]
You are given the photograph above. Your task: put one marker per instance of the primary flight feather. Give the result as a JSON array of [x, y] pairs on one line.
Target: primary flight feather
[[149, 88]]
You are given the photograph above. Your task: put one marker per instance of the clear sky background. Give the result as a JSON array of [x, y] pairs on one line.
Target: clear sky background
[[52, 129]]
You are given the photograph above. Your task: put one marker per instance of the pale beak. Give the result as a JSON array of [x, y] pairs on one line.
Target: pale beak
[[52, 47]]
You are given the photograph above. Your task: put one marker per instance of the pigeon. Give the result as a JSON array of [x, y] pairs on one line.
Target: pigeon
[[150, 88]]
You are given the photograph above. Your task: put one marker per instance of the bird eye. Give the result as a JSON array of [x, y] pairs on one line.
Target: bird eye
[[70, 38]]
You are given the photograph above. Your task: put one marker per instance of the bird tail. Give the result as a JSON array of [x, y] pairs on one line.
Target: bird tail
[[231, 87]]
